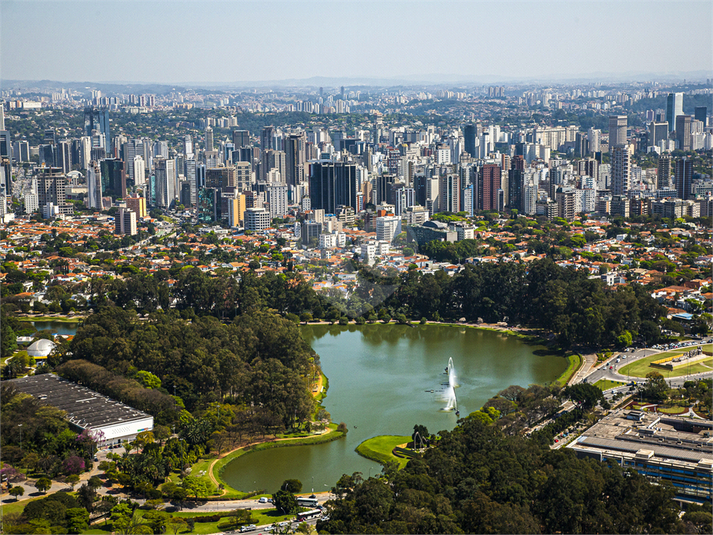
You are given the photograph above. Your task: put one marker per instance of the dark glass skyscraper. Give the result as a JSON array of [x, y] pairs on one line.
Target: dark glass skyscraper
[[98, 119], [332, 184]]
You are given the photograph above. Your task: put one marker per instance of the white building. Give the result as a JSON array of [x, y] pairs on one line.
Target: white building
[[32, 203], [387, 228], [277, 198], [257, 219]]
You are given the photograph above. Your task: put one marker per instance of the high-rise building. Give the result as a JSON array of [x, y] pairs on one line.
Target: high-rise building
[[220, 177], [256, 219], [594, 136], [683, 132], [700, 113], [620, 170], [136, 204], [267, 138], [663, 180], [125, 222], [113, 177], [470, 133], [449, 194], [684, 177], [277, 199], [488, 187], [5, 144], [236, 210], [241, 138], [51, 189], [188, 145], [388, 227], [617, 130], [97, 119], [165, 172], [674, 108], [332, 184], [190, 174], [94, 186], [208, 139], [294, 158], [657, 132], [138, 171]]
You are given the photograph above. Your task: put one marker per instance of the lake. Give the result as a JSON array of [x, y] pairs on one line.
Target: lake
[[380, 378], [58, 327]]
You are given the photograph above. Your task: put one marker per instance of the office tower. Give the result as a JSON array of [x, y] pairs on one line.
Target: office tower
[[50, 137], [530, 193], [165, 172], [683, 132], [137, 205], [267, 138], [190, 174], [384, 189], [470, 134], [277, 199], [220, 177], [97, 119], [138, 171], [657, 133], [236, 210], [160, 149], [449, 193], [684, 177], [94, 186], [51, 186], [241, 138], [130, 150], [488, 187], [208, 139], [674, 108], [63, 156], [617, 130], [20, 150], [516, 178], [113, 177], [188, 145], [5, 146], [294, 158], [700, 114], [243, 176], [620, 170], [663, 180], [332, 184], [2, 116], [594, 136], [273, 160], [125, 222]]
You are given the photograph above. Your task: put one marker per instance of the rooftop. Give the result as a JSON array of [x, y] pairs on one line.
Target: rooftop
[[84, 407]]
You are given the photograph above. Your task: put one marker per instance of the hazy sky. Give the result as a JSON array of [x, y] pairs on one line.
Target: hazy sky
[[236, 41]]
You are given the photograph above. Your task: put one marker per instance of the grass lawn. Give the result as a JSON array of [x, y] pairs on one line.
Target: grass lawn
[[575, 361], [379, 449], [641, 367], [16, 507], [672, 410], [606, 384]]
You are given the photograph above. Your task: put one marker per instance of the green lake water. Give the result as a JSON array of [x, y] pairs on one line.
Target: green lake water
[[379, 378]]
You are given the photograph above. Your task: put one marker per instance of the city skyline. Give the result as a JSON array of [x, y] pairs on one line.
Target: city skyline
[[238, 42]]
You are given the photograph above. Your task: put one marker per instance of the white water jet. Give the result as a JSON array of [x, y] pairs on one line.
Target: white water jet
[[449, 390]]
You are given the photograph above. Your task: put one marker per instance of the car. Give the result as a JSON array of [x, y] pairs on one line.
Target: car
[[557, 440], [611, 367], [263, 500]]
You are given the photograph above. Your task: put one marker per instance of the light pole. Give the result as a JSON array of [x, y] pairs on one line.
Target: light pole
[[312, 484], [20, 426]]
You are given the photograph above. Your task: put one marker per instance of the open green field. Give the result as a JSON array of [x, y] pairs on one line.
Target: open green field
[[643, 366], [379, 449], [606, 384]]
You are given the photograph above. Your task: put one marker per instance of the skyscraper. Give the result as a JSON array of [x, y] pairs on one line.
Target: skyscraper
[[700, 114], [674, 108], [683, 132], [620, 170], [94, 186], [663, 180], [113, 177], [332, 184], [294, 158], [450, 190], [683, 178], [657, 132], [617, 130], [488, 187], [208, 139], [241, 138], [267, 138], [470, 133], [165, 171], [98, 119]]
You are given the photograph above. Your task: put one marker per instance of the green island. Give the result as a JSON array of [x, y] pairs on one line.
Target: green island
[[381, 449], [642, 367]]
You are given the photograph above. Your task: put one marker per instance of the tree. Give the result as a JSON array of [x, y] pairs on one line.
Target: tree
[[17, 492], [77, 520], [655, 387], [292, 485], [72, 480], [586, 394], [285, 502], [43, 484], [176, 524]]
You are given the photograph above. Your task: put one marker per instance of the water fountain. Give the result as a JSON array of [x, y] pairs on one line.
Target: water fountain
[[449, 389]]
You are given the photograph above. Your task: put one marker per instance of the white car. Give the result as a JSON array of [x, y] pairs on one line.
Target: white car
[[263, 500]]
